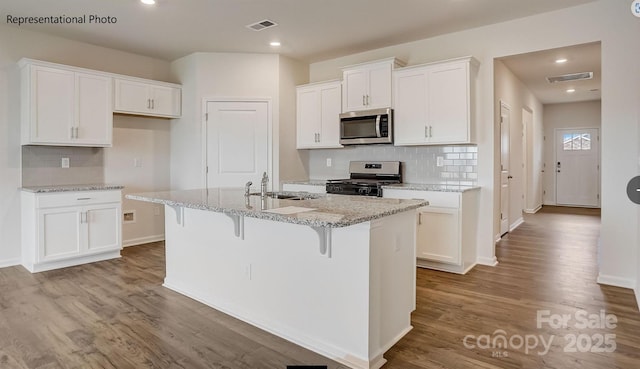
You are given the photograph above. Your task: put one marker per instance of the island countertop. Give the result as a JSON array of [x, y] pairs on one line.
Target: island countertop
[[317, 210]]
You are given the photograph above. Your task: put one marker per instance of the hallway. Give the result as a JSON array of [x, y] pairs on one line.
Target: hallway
[[546, 266]]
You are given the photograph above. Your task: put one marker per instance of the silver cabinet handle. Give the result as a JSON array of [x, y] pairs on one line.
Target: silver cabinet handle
[[71, 132], [77, 135], [153, 103], [368, 102], [148, 103], [426, 132], [430, 134], [83, 198], [363, 100]]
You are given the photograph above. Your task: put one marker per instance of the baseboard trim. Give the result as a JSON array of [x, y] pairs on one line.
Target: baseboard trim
[[516, 224], [533, 211], [617, 281], [142, 240], [10, 262], [498, 238], [636, 291], [488, 261]]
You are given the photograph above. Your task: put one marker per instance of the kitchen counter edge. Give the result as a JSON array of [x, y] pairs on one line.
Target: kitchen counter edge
[[71, 188]]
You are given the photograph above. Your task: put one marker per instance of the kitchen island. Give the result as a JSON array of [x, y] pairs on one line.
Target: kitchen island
[[332, 273]]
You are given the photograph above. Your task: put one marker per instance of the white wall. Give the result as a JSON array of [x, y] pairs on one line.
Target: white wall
[[16, 43], [569, 115], [608, 21], [228, 75], [508, 88]]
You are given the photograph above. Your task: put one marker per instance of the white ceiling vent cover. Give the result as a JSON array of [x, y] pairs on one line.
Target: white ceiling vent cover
[[264, 24], [570, 77]]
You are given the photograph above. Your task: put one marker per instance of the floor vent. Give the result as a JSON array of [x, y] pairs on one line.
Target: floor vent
[[259, 26], [570, 77]]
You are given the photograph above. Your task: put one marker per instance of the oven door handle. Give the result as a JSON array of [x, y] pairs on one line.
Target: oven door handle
[[378, 126]]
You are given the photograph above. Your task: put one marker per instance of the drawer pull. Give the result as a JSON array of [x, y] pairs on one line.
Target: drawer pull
[[83, 198]]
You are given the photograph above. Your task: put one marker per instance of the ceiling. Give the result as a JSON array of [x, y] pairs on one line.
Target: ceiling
[[309, 30], [533, 68]]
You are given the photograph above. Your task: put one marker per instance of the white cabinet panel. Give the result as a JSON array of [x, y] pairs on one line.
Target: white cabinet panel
[[65, 107], [146, 98], [433, 103], [317, 116], [447, 228], [59, 233], [70, 228], [368, 85], [438, 237]]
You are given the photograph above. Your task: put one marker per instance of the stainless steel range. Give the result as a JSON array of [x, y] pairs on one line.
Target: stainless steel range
[[366, 178]]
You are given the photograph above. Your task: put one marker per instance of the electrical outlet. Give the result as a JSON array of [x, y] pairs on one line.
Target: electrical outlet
[[439, 161], [65, 162], [329, 162], [137, 163]]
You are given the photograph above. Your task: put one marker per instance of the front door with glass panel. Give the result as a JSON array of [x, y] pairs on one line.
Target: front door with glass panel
[[577, 167]]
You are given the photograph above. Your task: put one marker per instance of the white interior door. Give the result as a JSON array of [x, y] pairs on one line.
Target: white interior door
[[237, 142], [578, 167], [505, 121]]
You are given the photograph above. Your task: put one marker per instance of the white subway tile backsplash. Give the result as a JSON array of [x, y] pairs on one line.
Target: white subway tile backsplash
[[419, 162]]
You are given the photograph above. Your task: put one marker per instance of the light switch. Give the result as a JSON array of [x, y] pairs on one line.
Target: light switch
[[440, 161]]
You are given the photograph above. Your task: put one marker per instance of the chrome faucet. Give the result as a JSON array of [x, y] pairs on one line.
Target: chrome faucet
[[247, 188], [263, 184]]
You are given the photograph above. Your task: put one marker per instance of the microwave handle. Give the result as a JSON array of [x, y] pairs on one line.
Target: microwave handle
[[378, 126]]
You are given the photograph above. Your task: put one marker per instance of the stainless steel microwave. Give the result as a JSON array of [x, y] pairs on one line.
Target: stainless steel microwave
[[366, 127]]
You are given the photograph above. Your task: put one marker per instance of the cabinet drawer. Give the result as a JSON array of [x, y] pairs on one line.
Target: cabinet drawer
[[49, 200]]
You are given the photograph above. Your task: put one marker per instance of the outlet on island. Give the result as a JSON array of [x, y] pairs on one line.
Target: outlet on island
[[65, 162], [329, 162]]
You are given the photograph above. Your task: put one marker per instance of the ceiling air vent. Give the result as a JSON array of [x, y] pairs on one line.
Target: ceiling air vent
[[570, 77], [259, 26]]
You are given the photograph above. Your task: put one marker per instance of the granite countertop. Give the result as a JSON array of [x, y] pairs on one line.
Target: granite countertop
[[309, 182], [431, 187], [73, 187], [317, 210]]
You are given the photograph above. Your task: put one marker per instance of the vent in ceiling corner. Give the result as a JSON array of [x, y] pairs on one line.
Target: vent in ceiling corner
[[570, 77], [264, 24]]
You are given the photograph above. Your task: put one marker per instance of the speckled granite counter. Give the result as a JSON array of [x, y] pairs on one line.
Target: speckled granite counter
[[431, 187], [309, 182], [70, 188], [318, 211]]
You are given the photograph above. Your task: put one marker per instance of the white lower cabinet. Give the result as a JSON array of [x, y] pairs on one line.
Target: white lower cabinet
[[70, 228], [446, 228]]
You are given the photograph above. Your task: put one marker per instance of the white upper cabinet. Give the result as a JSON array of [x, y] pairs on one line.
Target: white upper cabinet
[[368, 86], [61, 106], [133, 96], [433, 103], [317, 115]]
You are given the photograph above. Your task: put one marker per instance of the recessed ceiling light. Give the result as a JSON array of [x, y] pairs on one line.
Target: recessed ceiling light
[[148, 2], [571, 90], [274, 43], [561, 60]]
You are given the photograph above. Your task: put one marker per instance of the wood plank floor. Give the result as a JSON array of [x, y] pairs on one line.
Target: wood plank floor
[[116, 314]]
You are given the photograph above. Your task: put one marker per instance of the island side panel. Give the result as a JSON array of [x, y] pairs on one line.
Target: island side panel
[[393, 287], [277, 279]]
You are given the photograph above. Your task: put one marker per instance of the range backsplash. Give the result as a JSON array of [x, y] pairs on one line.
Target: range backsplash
[[41, 165], [419, 162]]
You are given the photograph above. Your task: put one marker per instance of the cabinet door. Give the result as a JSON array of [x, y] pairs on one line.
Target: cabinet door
[[59, 233], [94, 114], [438, 235], [379, 93], [165, 101], [132, 97], [410, 112], [330, 108], [307, 117], [448, 104], [103, 227], [52, 105], [355, 89]]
